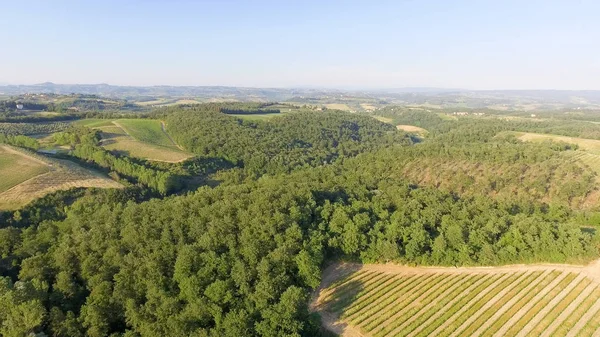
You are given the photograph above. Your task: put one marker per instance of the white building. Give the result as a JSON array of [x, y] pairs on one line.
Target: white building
[[19, 106]]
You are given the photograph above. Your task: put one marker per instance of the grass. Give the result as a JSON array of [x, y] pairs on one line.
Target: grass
[[361, 317], [384, 119], [256, 117], [589, 145], [414, 307], [146, 130], [591, 326], [458, 305], [59, 175], [338, 106], [16, 168], [540, 305], [520, 303], [574, 317], [139, 138], [93, 123], [474, 307], [412, 129], [500, 303], [440, 303], [560, 307], [396, 307]]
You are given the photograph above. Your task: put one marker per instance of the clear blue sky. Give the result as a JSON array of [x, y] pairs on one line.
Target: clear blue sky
[[487, 44]]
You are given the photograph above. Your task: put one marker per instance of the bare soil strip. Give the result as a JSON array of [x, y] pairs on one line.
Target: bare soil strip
[[563, 316], [365, 317], [394, 298], [513, 320], [540, 315], [354, 315], [412, 304], [490, 303], [446, 307], [584, 319], [431, 304], [478, 297], [373, 295], [509, 304], [378, 321]]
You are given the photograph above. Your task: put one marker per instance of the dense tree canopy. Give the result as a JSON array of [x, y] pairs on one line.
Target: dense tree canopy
[[240, 257]]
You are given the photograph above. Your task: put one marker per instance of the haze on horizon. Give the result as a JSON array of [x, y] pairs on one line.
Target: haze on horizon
[[344, 44]]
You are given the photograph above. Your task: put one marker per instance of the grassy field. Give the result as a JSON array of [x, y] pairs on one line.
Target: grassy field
[[257, 116], [49, 176], [16, 168], [147, 131], [590, 145], [140, 138], [338, 106], [93, 122], [390, 300], [384, 119], [412, 129]]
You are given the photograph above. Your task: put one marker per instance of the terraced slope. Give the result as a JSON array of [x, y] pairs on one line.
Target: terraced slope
[[391, 300]]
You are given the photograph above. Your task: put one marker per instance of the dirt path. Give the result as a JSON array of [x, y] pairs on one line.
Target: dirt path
[[164, 129], [489, 304], [568, 310]]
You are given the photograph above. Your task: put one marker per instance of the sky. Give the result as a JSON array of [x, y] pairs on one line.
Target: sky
[[485, 44]]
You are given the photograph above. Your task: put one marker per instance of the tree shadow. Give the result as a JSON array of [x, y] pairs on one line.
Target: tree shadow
[[339, 292]]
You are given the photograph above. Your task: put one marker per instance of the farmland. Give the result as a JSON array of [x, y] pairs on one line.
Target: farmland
[[140, 138], [16, 168], [392, 300], [32, 176], [590, 145], [412, 129], [588, 152]]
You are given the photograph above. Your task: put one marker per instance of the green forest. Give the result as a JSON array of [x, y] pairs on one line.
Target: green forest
[[273, 203]]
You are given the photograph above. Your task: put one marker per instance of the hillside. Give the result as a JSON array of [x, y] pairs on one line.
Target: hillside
[[234, 241]]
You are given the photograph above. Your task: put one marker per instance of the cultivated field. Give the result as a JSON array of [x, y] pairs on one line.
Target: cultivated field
[[590, 145], [15, 168], [256, 116], [384, 119], [56, 175], [393, 300], [338, 106], [412, 129], [140, 138]]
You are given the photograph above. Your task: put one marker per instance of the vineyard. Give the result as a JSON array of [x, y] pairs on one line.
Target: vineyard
[[382, 300]]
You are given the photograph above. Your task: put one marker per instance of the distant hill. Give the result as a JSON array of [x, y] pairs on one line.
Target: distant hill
[[355, 100]]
